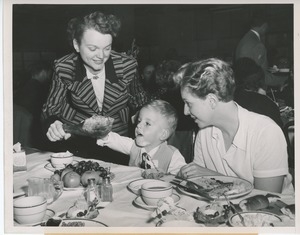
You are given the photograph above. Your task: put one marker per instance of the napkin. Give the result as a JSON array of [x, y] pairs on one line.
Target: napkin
[[19, 158]]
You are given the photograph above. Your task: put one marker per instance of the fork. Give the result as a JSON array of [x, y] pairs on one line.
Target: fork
[[235, 210]]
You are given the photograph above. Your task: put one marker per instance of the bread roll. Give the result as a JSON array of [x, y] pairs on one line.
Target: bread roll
[[254, 203]]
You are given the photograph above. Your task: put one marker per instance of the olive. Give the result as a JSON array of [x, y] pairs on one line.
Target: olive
[[216, 214], [80, 214]]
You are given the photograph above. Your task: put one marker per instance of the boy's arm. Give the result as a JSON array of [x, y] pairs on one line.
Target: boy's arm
[[176, 163], [116, 142]]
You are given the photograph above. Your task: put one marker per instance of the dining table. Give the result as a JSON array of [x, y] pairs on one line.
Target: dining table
[[122, 212]]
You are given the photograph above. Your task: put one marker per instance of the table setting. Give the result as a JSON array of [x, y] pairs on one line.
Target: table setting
[[203, 201]]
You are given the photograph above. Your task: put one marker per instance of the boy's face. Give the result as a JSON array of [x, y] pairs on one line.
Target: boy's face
[[151, 128]]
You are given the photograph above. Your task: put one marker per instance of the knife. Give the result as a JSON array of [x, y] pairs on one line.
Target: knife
[[199, 192]]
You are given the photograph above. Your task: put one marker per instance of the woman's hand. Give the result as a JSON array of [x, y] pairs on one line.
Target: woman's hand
[[56, 132], [192, 169]]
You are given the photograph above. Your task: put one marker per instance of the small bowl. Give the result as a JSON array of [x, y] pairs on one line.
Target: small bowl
[[155, 190], [135, 186], [61, 160], [254, 219], [30, 210]]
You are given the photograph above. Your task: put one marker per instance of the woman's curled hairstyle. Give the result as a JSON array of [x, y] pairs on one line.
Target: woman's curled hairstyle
[[103, 23], [207, 76]]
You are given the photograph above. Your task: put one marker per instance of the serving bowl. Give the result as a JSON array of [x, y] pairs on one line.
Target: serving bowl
[[155, 190], [254, 219], [30, 210], [61, 160]]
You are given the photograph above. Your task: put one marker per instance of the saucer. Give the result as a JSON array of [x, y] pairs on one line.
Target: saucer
[[139, 201], [49, 166]]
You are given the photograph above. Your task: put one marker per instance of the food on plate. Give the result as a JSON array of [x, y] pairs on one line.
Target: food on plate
[[167, 211], [152, 174], [217, 188], [82, 209], [90, 175], [71, 179], [212, 213], [289, 210], [85, 170], [253, 219], [257, 202]]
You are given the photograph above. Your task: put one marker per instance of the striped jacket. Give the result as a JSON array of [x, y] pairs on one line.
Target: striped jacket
[[72, 99]]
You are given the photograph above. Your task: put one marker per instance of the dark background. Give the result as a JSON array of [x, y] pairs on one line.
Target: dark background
[[185, 31]]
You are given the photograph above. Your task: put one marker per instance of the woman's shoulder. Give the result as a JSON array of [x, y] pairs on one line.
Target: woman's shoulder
[[69, 57], [122, 57]]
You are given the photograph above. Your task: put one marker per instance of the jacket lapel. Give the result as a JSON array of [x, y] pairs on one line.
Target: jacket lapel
[[115, 86], [82, 88]]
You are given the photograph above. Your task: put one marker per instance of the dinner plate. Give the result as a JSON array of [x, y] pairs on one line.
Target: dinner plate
[[81, 223], [136, 185], [241, 187], [284, 70], [139, 201], [49, 214], [180, 223], [255, 219], [49, 166], [112, 176]]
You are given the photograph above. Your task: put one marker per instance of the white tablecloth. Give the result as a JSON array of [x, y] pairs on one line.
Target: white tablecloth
[[122, 212]]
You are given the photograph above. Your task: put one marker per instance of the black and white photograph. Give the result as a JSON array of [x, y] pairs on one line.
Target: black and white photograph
[[149, 117]]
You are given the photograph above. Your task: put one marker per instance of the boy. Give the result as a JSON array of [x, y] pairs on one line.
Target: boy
[[156, 122]]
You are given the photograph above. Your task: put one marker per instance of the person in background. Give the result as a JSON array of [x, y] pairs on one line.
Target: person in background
[[183, 137], [94, 79], [231, 141], [251, 90], [252, 46], [32, 95], [148, 80], [156, 122]]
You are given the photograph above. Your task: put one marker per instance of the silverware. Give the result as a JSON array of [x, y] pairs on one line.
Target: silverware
[[199, 192], [197, 186], [235, 210]]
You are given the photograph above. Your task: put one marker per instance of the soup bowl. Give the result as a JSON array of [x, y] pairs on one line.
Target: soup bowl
[[30, 210], [155, 190], [61, 160]]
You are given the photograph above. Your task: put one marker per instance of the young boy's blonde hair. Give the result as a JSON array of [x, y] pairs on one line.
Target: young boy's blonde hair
[[167, 111]]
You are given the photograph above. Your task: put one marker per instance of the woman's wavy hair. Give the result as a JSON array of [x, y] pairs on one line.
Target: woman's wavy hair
[[207, 76], [103, 23]]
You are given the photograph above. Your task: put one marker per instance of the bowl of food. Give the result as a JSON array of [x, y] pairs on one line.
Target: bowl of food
[[61, 160], [30, 210], [212, 214], [155, 190], [254, 219]]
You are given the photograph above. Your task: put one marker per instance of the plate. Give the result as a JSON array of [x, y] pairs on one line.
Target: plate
[[139, 201], [49, 166], [84, 222], [112, 176], [135, 185], [242, 187], [49, 214], [284, 70], [180, 223], [255, 219]]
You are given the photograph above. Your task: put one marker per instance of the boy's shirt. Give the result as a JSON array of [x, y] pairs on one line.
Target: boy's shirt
[[124, 144]]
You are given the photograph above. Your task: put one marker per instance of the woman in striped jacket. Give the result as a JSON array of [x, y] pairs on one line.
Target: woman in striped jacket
[[93, 79]]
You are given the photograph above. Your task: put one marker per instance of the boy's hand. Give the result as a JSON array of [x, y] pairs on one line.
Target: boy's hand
[[103, 141]]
